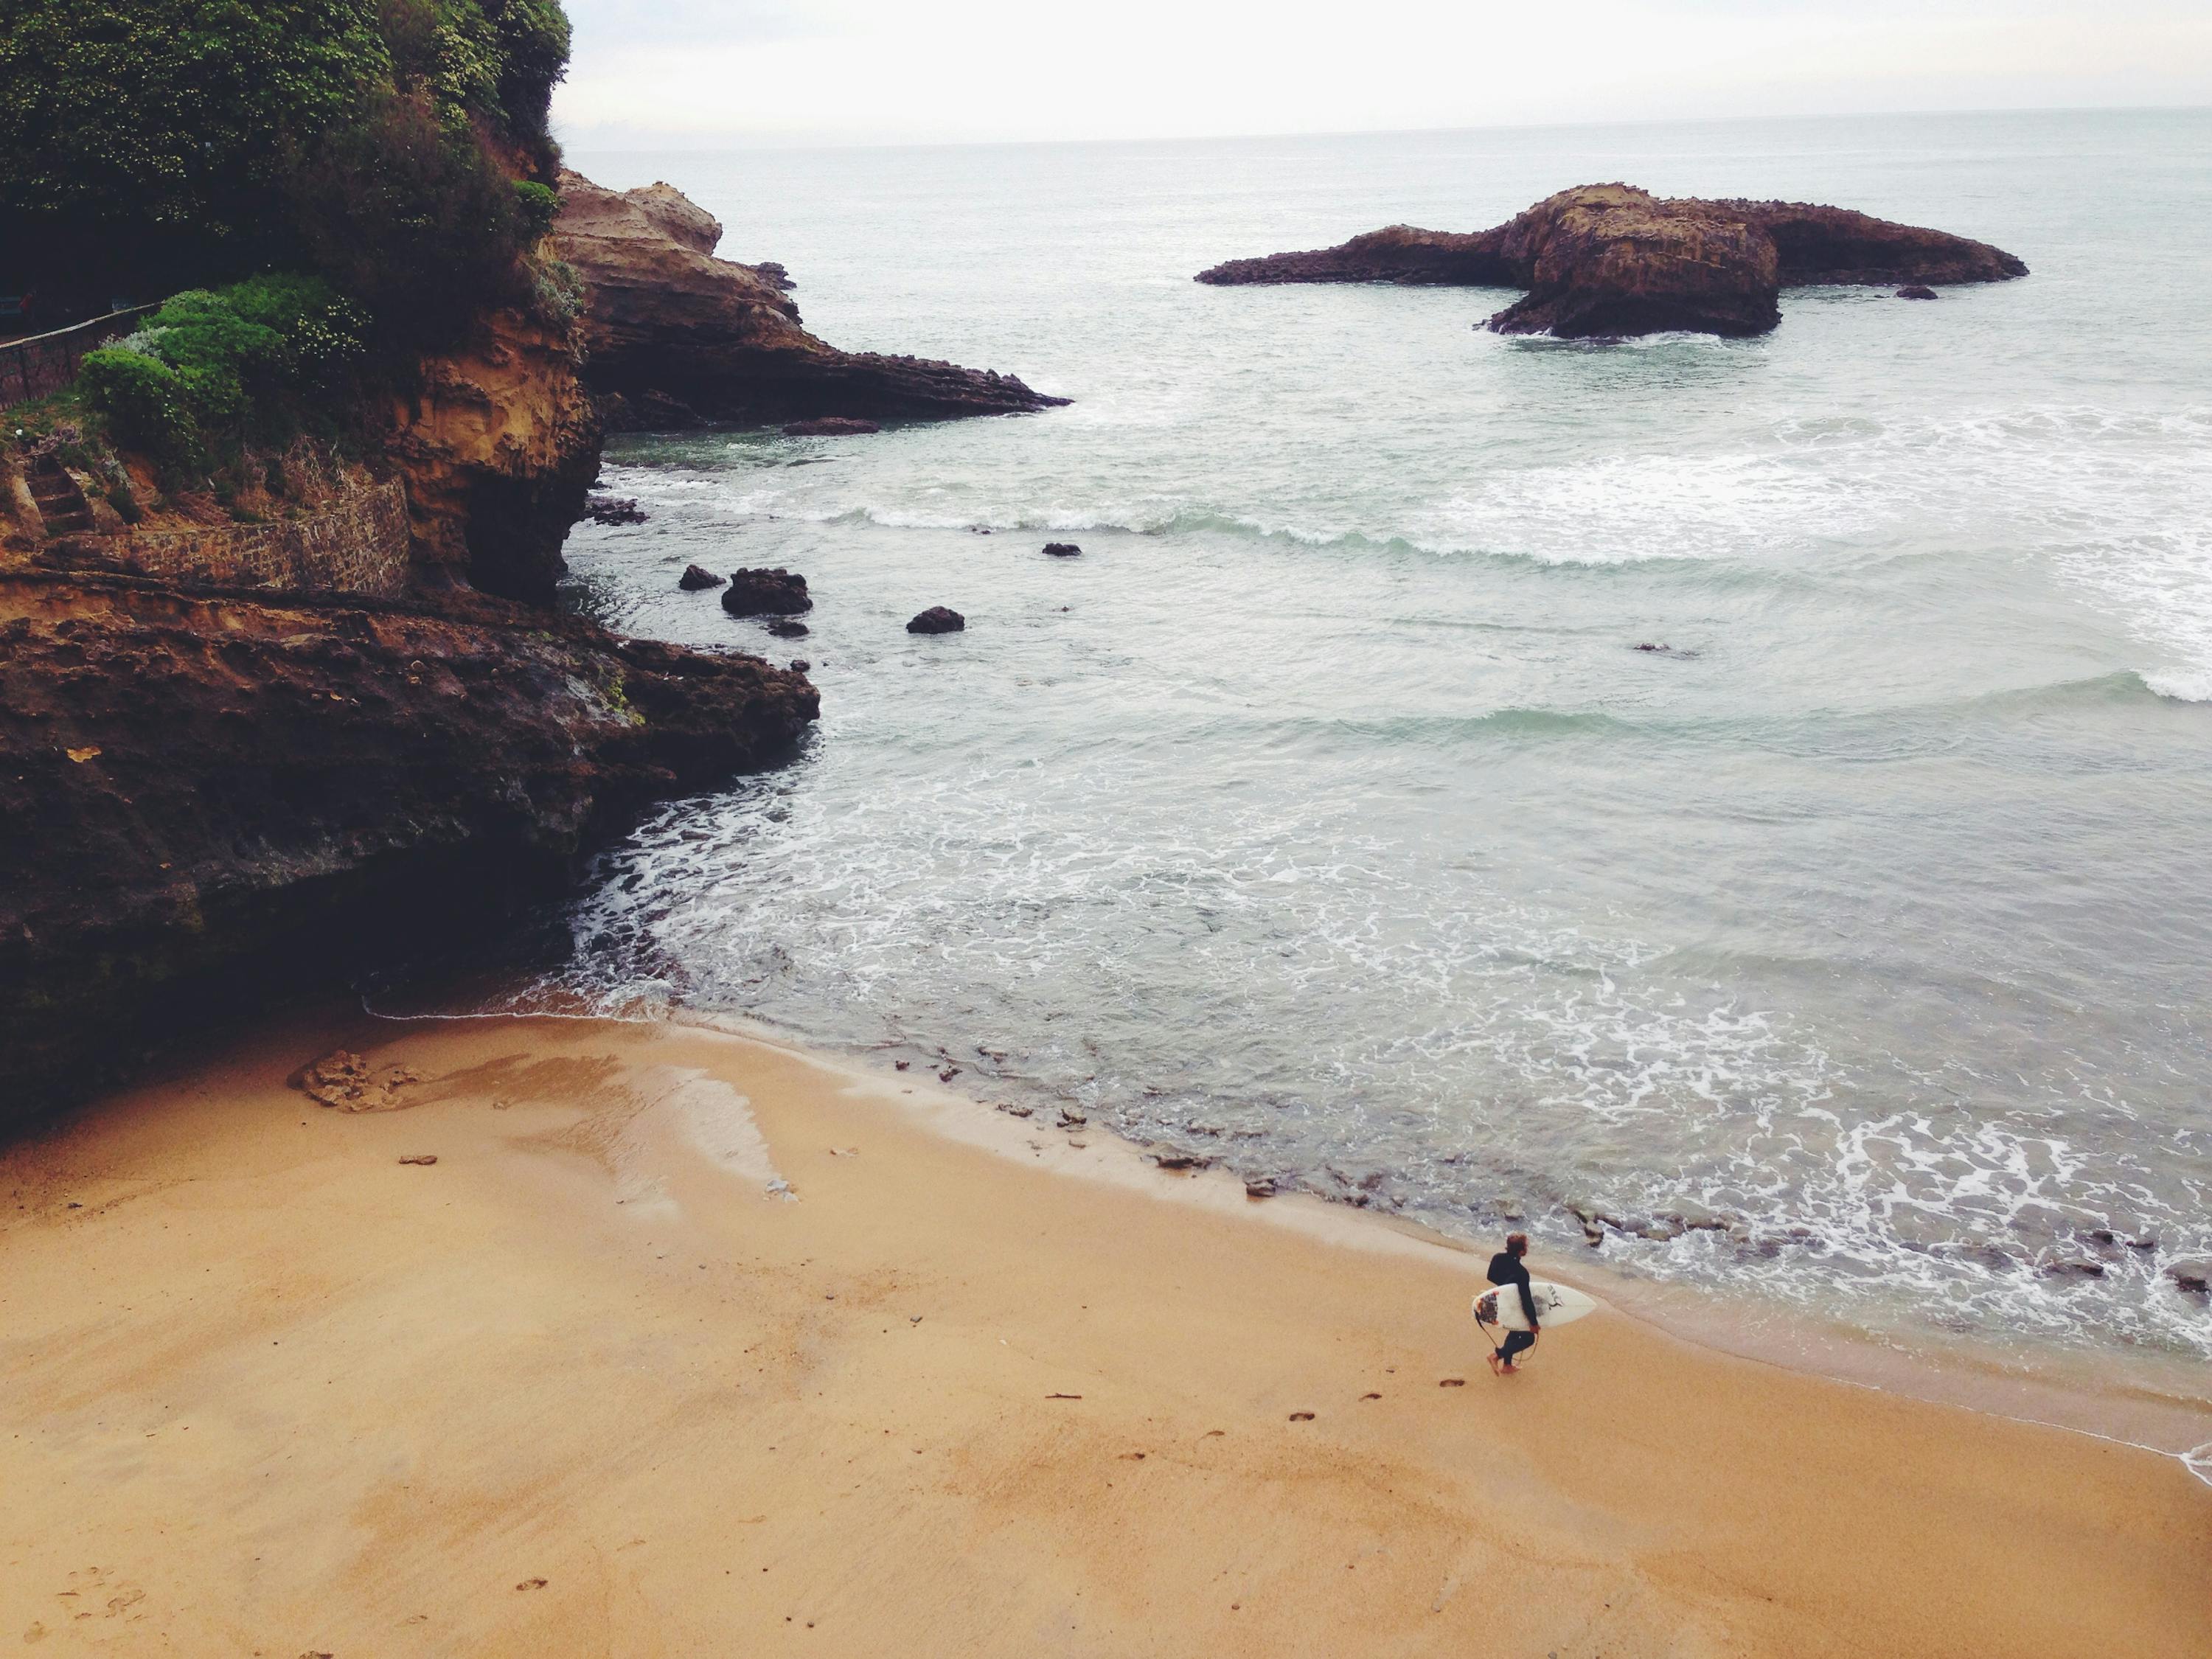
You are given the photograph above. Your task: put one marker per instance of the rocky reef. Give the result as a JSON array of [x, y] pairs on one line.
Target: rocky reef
[[212, 796], [1611, 260], [674, 337]]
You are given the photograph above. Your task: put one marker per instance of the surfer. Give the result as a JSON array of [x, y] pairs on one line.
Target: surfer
[[1506, 1267]]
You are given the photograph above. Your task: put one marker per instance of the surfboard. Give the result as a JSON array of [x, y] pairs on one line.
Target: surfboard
[[1556, 1304]]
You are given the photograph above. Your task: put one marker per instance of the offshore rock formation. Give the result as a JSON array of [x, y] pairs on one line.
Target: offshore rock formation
[[674, 337], [1611, 260], [208, 796]]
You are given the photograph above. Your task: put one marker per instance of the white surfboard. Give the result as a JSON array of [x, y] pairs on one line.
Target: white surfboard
[[1556, 1304]]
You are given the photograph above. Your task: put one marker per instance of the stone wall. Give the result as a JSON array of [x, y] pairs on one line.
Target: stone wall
[[358, 546]]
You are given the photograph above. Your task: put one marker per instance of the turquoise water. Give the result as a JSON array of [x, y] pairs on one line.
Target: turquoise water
[[1324, 815]]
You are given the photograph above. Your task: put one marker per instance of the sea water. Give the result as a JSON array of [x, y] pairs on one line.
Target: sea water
[[1766, 782]]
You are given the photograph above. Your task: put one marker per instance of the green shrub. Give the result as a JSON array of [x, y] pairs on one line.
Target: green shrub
[[538, 206], [211, 368], [145, 405], [146, 143]]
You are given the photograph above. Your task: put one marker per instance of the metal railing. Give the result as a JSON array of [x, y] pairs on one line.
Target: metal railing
[[40, 364]]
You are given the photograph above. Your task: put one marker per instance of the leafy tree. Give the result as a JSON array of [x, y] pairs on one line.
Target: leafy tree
[[146, 145]]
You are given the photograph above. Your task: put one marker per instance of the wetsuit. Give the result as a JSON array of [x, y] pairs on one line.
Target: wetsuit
[[1507, 1269]]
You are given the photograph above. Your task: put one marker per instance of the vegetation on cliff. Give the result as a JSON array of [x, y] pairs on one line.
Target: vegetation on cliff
[[397, 148], [262, 360]]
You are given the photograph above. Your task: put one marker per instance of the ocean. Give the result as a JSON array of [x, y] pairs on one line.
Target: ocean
[[1329, 817]]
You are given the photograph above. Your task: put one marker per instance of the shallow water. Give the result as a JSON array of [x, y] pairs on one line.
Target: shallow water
[[1325, 815]]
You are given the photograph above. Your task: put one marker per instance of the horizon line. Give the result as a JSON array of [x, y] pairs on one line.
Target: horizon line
[[765, 142]]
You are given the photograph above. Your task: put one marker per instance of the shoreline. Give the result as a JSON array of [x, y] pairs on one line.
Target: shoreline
[[2076, 1393], [419, 1391]]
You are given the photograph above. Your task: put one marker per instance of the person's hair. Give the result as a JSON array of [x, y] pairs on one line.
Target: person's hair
[[1517, 1243]]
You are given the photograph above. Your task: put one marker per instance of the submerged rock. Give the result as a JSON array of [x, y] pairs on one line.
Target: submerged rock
[[784, 629], [1062, 549], [775, 593], [1611, 260], [830, 426], [1915, 291], [938, 619]]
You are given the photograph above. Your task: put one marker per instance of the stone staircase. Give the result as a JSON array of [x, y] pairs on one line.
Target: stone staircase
[[61, 503]]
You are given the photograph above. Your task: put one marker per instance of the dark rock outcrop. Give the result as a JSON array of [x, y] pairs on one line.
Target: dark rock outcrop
[[211, 799], [1604, 260], [695, 580], [674, 337], [784, 628], [1915, 291], [766, 593], [830, 426], [938, 619], [1062, 549], [613, 509]]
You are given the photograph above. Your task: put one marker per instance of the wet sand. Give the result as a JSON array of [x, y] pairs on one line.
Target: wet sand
[[593, 1383]]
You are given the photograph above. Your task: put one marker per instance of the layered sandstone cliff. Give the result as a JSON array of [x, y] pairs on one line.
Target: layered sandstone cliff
[[674, 337], [211, 797], [1613, 260], [498, 441]]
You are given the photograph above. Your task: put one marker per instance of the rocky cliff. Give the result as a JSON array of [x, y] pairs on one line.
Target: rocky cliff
[[499, 442], [1613, 260], [675, 336], [209, 796]]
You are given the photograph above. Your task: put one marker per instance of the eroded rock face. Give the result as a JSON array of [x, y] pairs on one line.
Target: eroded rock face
[[1608, 260], [1613, 260], [674, 337], [206, 797], [498, 443]]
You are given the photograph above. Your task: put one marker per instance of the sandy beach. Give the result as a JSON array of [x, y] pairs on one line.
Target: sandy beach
[[687, 1344]]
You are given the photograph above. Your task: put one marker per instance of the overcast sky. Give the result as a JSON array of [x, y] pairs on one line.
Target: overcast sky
[[681, 73]]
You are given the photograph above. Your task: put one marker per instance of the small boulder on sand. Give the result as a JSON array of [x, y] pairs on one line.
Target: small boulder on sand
[[344, 1079]]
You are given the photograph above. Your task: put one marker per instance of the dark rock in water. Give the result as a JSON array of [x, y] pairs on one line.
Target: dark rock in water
[[938, 619], [694, 579], [1915, 291], [2070, 1267], [1609, 260], [1062, 549], [275, 793], [830, 426], [2192, 1274], [766, 593], [800, 665], [785, 629], [607, 509]]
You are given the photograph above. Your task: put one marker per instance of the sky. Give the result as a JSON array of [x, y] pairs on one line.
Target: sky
[[679, 74]]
